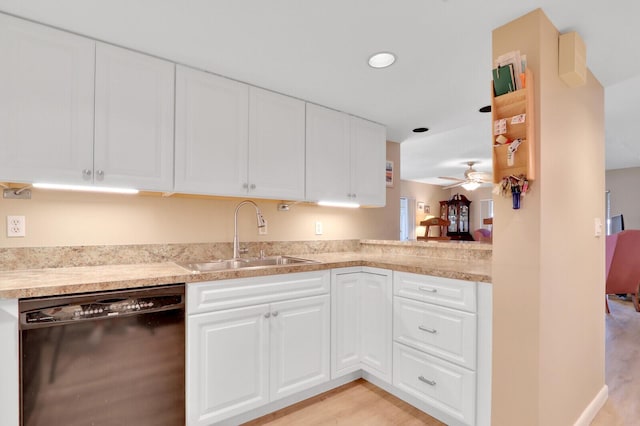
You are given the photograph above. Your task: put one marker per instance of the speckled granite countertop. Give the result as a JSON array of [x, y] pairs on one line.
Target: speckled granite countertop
[[58, 281]]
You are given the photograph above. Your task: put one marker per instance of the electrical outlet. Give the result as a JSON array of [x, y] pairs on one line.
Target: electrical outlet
[[263, 230], [16, 226], [318, 228]]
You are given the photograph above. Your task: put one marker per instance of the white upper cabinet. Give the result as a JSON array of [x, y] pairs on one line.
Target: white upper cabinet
[[327, 155], [237, 140], [345, 158], [276, 145], [133, 120], [212, 122], [46, 103], [77, 111], [368, 157]]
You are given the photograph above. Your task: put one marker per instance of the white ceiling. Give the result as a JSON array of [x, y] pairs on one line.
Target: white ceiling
[[318, 50]]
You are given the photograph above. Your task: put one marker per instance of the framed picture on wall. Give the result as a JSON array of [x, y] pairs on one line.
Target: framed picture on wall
[[389, 173], [421, 206]]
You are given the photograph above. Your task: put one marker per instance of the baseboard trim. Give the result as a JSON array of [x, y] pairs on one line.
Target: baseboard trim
[[592, 409]]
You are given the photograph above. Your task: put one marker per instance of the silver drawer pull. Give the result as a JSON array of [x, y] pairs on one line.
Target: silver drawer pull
[[428, 330], [274, 313], [427, 381], [267, 315], [429, 289]]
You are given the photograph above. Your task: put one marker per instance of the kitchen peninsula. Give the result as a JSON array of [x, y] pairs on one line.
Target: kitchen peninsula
[[388, 278]]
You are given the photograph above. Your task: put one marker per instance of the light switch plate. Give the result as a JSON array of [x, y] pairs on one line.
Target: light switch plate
[[597, 227]]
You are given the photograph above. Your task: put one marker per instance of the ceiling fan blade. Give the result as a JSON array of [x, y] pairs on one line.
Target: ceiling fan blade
[[451, 178], [480, 176], [455, 185]]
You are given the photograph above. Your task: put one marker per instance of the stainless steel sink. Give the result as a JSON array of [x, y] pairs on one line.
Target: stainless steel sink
[[221, 265]]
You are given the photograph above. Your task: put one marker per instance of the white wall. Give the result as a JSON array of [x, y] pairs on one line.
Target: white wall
[[624, 185]]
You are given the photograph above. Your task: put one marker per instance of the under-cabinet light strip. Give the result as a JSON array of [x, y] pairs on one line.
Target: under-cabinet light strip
[[347, 204], [106, 189]]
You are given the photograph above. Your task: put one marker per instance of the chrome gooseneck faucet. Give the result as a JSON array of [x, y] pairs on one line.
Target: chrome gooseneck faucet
[[261, 224]]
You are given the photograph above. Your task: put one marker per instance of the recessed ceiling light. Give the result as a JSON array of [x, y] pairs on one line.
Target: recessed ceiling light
[[382, 59], [485, 108], [420, 129]]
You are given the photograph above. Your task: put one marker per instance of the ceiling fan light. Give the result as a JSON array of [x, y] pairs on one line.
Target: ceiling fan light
[[470, 186]]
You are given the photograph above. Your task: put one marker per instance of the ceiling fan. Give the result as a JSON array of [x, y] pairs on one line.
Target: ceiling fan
[[472, 178]]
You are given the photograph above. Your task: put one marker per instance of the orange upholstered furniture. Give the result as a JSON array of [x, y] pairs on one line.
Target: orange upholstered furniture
[[623, 265]]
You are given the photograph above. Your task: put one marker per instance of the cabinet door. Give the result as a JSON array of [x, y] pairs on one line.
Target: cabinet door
[[212, 122], [276, 145], [345, 324], [376, 318], [299, 345], [46, 103], [368, 153], [134, 120], [328, 155], [227, 363]]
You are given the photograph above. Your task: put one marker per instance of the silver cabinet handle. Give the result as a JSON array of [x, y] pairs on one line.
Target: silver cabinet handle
[[275, 313], [428, 330], [100, 174], [427, 381], [428, 289], [252, 186], [245, 185], [86, 172], [267, 315]]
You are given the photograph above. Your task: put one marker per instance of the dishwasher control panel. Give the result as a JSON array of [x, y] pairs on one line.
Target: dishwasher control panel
[[100, 308]]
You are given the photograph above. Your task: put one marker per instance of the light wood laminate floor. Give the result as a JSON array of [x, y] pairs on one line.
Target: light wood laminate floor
[[356, 403], [622, 366]]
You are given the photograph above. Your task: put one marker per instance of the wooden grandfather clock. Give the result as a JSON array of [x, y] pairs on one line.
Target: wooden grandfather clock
[[457, 210]]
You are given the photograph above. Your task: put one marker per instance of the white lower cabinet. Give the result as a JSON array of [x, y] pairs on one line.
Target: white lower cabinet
[[299, 345], [242, 358], [361, 321], [255, 345], [228, 363], [435, 344], [444, 332], [443, 385]]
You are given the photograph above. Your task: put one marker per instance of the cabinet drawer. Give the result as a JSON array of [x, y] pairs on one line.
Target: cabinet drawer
[[445, 386], [444, 332], [225, 294], [457, 294]]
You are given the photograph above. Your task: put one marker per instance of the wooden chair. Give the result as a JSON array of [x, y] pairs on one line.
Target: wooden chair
[[435, 221]]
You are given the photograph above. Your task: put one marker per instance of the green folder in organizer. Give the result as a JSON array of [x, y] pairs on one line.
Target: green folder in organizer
[[503, 81]]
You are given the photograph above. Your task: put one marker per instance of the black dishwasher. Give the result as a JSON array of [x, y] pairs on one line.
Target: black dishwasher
[[104, 359]]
